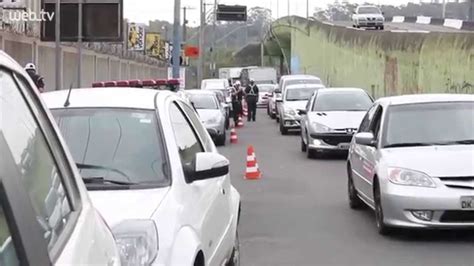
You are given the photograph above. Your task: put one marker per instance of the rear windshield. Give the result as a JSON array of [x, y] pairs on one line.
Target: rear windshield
[[126, 140], [203, 101], [302, 81]]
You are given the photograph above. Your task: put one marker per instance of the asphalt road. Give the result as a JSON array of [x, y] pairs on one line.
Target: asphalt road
[[410, 27], [298, 214]]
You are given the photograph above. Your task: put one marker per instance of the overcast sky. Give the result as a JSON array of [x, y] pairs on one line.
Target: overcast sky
[[142, 11]]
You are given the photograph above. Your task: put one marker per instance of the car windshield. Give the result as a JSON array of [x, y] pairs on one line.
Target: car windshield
[[369, 10], [342, 101], [203, 101], [123, 145], [430, 123], [299, 94], [302, 81]]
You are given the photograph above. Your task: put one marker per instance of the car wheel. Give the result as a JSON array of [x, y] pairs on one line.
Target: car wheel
[[283, 130], [303, 145], [235, 257], [220, 141], [227, 123], [382, 228], [354, 201], [382, 27]]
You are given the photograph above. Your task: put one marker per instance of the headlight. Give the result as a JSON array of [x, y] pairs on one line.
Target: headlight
[[290, 112], [137, 241], [213, 120], [407, 177], [320, 128]]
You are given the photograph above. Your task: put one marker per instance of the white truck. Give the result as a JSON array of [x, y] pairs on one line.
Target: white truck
[[261, 75], [232, 73]]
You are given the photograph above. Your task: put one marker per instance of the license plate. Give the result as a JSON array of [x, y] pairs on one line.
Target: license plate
[[467, 203], [344, 146]]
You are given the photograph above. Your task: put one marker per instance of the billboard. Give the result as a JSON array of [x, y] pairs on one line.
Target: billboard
[[153, 44], [136, 37]]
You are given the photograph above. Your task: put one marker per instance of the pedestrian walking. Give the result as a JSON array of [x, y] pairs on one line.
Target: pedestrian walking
[[237, 94], [37, 79], [251, 95]]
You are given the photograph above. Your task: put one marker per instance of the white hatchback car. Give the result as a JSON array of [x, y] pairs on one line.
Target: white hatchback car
[[46, 216], [145, 156]]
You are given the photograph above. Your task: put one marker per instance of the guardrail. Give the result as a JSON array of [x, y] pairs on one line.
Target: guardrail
[[449, 23]]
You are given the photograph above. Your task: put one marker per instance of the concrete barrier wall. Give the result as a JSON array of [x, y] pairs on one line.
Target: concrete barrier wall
[[384, 63], [96, 66]]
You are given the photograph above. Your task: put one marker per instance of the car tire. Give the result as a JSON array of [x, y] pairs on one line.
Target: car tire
[[235, 257], [227, 123], [355, 202], [272, 115], [220, 140], [382, 228], [283, 130], [382, 27], [303, 145]]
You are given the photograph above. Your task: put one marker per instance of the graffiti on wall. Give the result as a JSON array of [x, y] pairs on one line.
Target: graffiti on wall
[[459, 87]]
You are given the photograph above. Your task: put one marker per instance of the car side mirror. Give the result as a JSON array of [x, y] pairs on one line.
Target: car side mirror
[[206, 165], [302, 112], [365, 138]]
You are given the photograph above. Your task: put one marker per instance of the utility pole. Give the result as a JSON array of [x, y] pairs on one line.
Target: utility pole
[[444, 8], [176, 38], [79, 45], [58, 66], [288, 8], [307, 9], [202, 8], [471, 10], [185, 23], [213, 47]]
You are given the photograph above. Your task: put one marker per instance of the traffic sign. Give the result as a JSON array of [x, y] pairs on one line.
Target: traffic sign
[[231, 13]]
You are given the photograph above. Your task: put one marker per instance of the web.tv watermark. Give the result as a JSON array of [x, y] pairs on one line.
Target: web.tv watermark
[[27, 15]]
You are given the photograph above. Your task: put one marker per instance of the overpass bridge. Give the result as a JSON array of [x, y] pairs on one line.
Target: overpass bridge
[[405, 58]]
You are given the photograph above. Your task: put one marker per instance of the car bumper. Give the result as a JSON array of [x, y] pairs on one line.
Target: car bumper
[[398, 202], [291, 122], [330, 142], [215, 130]]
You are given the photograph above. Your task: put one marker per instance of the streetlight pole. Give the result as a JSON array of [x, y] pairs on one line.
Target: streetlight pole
[[213, 47], [307, 9], [79, 45], [58, 66], [202, 8], [176, 38], [444, 8], [288, 8]]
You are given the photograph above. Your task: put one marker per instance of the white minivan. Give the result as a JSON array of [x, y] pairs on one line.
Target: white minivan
[[46, 216]]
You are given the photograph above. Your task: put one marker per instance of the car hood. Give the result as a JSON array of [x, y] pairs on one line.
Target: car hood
[[438, 161], [339, 119], [295, 105], [118, 205], [207, 114]]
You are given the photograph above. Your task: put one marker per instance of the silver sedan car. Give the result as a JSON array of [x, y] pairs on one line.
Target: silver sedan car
[[212, 114], [330, 119], [412, 161]]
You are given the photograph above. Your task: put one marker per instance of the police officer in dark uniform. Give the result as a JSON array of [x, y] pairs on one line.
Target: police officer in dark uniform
[[37, 79], [237, 95], [251, 93]]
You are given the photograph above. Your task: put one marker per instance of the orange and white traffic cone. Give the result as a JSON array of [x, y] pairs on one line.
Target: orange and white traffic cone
[[233, 136], [245, 111], [252, 172], [240, 123]]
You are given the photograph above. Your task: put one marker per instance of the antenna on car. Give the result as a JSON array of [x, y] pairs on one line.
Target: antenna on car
[[67, 103]]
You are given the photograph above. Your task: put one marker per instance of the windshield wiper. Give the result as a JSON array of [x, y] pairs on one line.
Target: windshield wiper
[[409, 144], [462, 142], [99, 167], [102, 180]]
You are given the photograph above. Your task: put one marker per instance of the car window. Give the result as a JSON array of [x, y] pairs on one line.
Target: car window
[[299, 94], [375, 125], [186, 139], [201, 130], [365, 124], [204, 101], [8, 252], [39, 174], [123, 144]]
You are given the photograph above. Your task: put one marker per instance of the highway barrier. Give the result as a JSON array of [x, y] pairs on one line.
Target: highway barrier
[[383, 62], [449, 23]]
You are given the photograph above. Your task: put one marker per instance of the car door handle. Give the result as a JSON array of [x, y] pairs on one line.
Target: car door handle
[[223, 191]]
